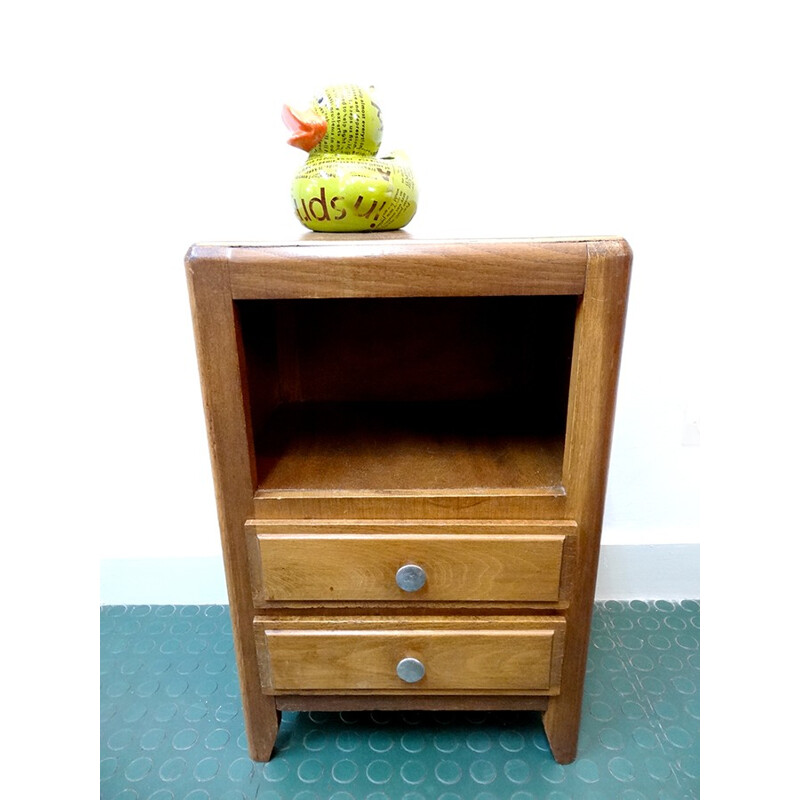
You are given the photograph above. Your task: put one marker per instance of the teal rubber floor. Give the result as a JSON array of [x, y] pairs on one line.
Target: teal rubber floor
[[171, 723]]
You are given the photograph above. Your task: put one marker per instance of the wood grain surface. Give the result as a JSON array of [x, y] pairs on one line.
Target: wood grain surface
[[373, 400], [460, 655], [471, 566]]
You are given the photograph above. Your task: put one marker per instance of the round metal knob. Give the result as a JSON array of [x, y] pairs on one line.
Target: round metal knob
[[410, 578], [410, 670]]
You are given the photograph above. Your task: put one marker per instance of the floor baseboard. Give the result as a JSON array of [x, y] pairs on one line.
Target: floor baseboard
[[626, 572]]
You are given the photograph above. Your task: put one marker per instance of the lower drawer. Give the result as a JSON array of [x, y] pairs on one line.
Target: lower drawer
[[423, 655]]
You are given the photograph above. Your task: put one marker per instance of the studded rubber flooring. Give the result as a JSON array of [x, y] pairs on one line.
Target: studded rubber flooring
[[171, 723]]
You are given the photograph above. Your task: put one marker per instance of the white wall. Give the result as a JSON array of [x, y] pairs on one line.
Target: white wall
[[154, 125]]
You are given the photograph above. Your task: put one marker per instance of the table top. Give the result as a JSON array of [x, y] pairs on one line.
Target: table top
[[395, 264]]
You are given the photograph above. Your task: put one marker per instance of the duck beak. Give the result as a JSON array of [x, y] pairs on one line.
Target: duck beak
[[307, 128]]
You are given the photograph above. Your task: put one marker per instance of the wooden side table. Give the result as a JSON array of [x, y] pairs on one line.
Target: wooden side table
[[410, 444]]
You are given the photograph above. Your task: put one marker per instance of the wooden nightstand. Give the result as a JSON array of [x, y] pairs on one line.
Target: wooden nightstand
[[410, 443]]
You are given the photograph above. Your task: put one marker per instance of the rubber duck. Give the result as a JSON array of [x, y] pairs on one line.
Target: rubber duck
[[344, 185]]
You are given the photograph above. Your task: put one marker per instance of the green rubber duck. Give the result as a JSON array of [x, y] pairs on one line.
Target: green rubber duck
[[343, 185]]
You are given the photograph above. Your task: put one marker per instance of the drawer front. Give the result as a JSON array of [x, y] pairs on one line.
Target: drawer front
[[489, 655], [526, 565]]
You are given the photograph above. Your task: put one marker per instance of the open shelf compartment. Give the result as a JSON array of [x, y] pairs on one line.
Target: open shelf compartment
[[419, 395]]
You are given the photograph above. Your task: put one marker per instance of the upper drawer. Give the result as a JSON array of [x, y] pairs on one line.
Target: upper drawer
[[327, 561]]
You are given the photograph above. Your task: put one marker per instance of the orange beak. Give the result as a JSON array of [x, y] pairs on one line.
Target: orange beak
[[307, 128]]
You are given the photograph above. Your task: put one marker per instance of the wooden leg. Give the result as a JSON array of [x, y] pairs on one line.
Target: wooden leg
[[261, 742], [562, 725], [562, 719]]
